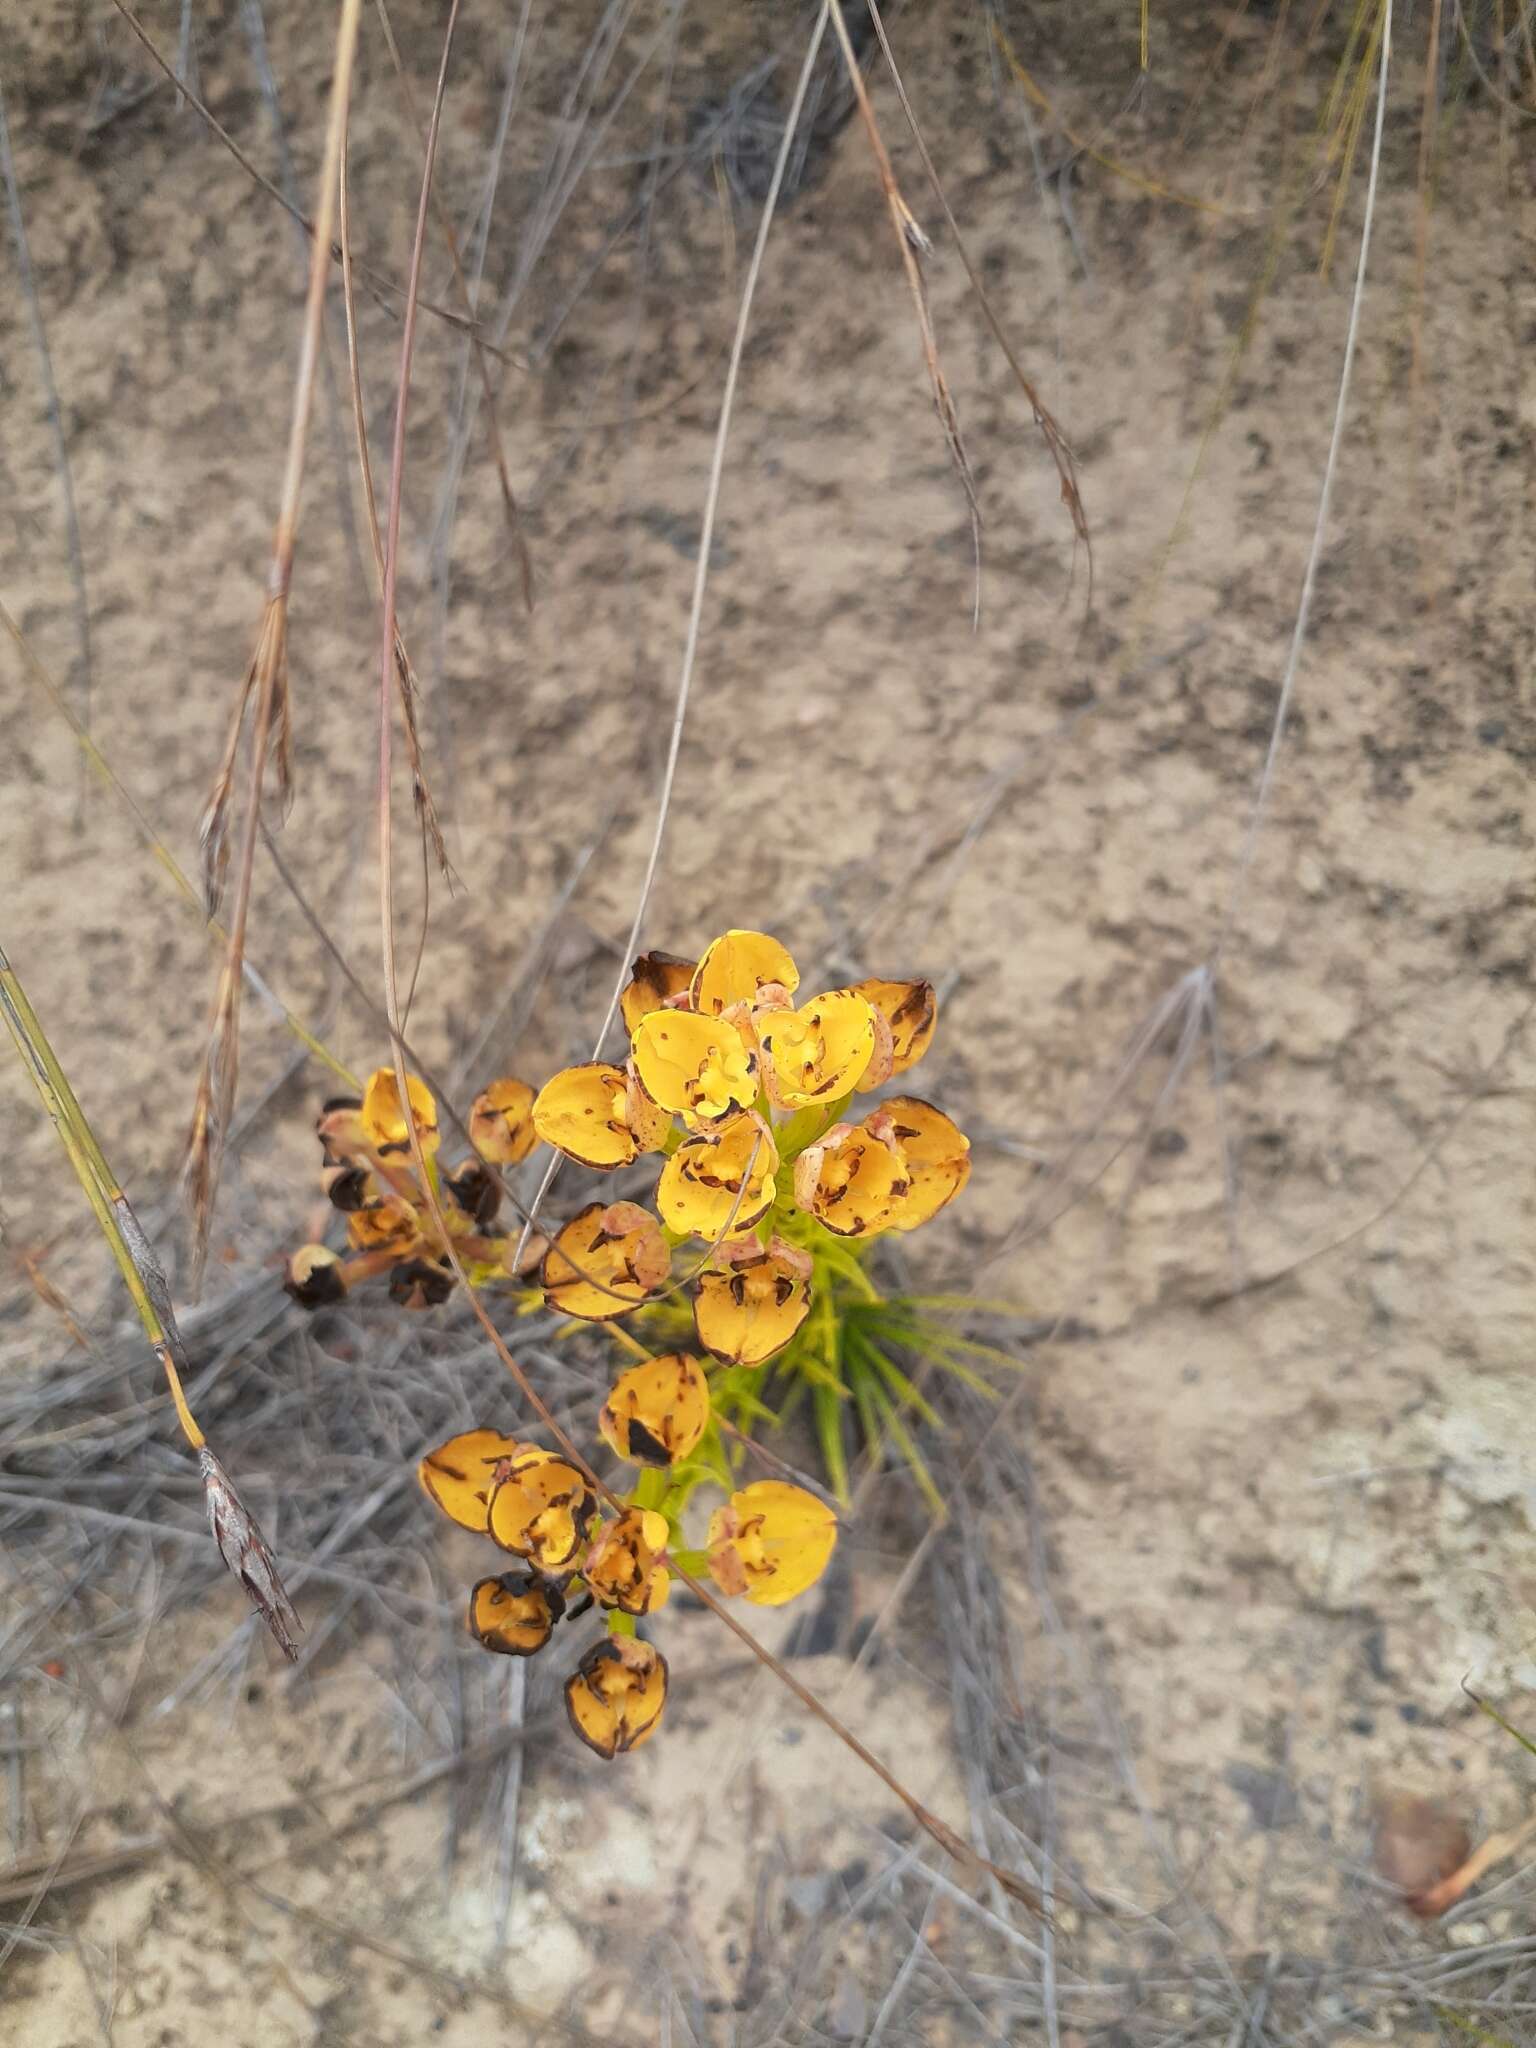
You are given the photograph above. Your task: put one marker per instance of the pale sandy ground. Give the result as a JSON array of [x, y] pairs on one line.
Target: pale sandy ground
[[1284, 1526]]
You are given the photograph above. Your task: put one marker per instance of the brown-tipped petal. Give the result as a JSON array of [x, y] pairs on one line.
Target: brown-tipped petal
[[339, 1127], [501, 1126], [515, 1614], [383, 1115], [615, 1696], [910, 1010], [852, 1180], [699, 1067], [743, 967], [420, 1283], [651, 1124], [540, 1511], [475, 1190], [775, 1537], [315, 1278], [745, 1315], [657, 1412], [623, 1566], [656, 980], [583, 1112], [608, 1258], [937, 1155], [882, 1061], [460, 1476], [816, 1053]]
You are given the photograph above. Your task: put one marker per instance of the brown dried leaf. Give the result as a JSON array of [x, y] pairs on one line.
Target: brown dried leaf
[[1420, 1843], [244, 1549]]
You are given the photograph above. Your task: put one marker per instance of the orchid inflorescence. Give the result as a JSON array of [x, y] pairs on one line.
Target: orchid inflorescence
[[747, 1098], [769, 1542]]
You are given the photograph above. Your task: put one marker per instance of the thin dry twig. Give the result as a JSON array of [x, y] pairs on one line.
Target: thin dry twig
[[477, 343], [378, 278], [914, 243], [1050, 432], [265, 681]]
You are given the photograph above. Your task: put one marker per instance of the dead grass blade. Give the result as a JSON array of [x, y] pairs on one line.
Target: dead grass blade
[[913, 243], [421, 794], [239, 1539], [461, 283], [265, 682], [1050, 432]]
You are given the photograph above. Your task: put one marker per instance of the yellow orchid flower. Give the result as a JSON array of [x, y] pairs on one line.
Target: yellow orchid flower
[[461, 1475], [851, 1179], [816, 1054], [515, 1614], [383, 1115], [694, 1066], [747, 968], [657, 1412], [747, 1313], [608, 1257], [721, 1181], [656, 981], [584, 1112], [906, 1013], [540, 1511], [390, 1226], [770, 1541], [937, 1155], [501, 1126], [615, 1696], [623, 1567]]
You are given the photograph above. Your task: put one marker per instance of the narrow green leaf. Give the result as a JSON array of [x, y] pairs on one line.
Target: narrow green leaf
[[828, 1404]]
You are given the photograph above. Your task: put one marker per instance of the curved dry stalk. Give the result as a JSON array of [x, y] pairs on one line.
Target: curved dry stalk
[[477, 343], [1381, 57], [266, 680], [1050, 432], [912, 242], [379, 279], [426, 809]]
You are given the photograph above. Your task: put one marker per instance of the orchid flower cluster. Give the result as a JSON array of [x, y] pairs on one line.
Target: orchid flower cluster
[[747, 1098], [770, 1541], [746, 1095]]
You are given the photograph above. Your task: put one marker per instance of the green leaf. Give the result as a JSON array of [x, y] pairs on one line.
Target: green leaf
[[1493, 1714], [828, 1405], [906, 1393], [901, 1436]]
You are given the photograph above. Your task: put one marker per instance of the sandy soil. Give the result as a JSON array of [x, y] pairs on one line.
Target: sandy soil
[[1285, 1457]]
